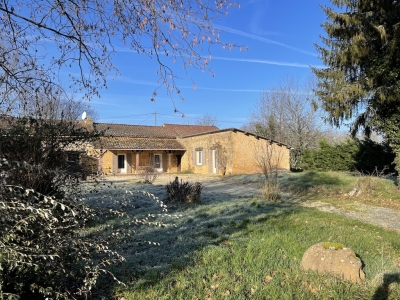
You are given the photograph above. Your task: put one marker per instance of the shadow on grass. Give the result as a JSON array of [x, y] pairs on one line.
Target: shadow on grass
[[153, 251], [383, 291]]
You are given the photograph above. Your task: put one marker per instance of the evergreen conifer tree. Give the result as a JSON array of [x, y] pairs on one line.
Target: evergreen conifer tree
[[361, 81]]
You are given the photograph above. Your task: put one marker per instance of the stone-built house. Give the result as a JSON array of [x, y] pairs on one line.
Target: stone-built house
[[130, 149]]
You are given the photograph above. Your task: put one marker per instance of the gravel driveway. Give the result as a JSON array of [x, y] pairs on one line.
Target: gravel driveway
[[381, 216]]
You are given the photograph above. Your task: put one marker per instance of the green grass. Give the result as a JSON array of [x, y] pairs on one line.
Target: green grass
[[334, 187], [247, 248], [261, 261]]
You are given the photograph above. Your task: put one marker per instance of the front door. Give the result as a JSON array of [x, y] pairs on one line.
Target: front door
[[158, 162], [121, 163], [214, 161], [178, 162]]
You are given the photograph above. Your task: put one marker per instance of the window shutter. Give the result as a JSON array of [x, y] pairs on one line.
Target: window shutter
[[115, 163], [216, 160], [210, 161], [194, 157]]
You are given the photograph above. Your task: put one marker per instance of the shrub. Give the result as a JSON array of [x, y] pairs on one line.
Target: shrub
[[183, 192], [373, 158], [149, 175], [270, 190], [44, 251], [365, 156]]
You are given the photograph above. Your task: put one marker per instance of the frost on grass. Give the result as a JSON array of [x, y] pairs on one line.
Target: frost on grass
[[126, 215]]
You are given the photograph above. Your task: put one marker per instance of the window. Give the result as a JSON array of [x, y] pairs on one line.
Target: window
[[199, 157]]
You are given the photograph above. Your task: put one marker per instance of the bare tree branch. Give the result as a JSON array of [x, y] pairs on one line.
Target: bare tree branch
[[85, 34]]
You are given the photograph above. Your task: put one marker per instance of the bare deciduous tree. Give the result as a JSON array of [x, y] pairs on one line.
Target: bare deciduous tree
[[269, 157], [207, 120], [54, 105], [84, 35], [286, 114]]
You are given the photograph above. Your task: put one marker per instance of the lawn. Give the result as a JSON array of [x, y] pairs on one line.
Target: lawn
[[238, 246]]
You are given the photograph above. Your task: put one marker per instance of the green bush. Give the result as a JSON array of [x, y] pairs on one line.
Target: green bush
[[365, 156], [327, 157], [373, 156]]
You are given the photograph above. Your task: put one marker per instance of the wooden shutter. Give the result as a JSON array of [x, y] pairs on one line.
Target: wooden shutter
[[216, 161], [114, 163], [210, 161]]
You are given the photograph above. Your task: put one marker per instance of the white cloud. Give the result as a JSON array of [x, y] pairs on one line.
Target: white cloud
[[262, 39], [268, 62]]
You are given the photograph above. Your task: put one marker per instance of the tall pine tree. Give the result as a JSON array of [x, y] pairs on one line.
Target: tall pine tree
[[361, 81]]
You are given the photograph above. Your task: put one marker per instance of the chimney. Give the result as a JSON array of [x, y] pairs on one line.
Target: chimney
[[88, 123]]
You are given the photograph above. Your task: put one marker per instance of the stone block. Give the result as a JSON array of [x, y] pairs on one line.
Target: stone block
[[337, 261]]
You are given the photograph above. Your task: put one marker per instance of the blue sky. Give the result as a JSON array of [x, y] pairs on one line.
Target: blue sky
[[280, 36]]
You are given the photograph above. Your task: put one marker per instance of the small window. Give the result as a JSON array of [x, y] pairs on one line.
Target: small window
[[199, 157]]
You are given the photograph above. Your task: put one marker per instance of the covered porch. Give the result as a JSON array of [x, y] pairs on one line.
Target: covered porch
[[136, 155], [138, 161]]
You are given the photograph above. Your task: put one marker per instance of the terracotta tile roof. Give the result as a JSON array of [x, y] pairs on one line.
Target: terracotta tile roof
[[140, 137], [121, 143], [164, 131], [183, 130], [236, 130], [134, 130]]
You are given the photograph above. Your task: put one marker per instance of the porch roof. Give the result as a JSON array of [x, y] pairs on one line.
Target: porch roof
[[129, 143]]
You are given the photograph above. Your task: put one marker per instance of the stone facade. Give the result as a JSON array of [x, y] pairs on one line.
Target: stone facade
[[230, 151], [131, 149]]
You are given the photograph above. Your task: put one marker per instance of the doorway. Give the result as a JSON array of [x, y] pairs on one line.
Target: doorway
[[178, 162], [214, 161], [121, 163], [158, 162]]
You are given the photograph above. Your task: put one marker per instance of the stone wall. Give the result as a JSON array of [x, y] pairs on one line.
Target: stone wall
[[248, 149], [205, 143], [238, 148]]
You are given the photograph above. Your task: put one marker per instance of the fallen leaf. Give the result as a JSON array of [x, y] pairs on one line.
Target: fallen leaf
[[268, 279]]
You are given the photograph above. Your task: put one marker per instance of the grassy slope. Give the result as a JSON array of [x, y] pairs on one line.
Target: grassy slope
[[251, 249], [334, 187]]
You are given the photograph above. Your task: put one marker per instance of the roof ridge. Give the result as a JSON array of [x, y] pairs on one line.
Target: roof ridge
[[190, 125], [137, 125]]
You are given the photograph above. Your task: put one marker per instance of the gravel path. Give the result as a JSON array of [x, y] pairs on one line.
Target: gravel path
[[384, 217]]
